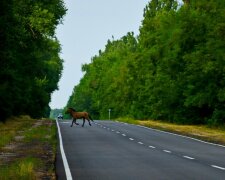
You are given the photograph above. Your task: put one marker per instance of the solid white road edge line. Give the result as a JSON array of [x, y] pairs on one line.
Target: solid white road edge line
[[65, 163]]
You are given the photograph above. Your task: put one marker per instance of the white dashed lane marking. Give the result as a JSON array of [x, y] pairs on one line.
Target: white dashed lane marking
[[153, 147], [188, 157], [167, 151]]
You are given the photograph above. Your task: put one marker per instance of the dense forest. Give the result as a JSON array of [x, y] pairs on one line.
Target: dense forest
[[173, 71], [29, 55]]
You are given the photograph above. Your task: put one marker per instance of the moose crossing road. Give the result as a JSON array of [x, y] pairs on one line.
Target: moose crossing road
[[110, 150]]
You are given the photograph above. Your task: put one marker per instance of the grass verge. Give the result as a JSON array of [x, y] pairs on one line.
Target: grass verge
[[202, 132], [24, 168], [28, 149], [12, 127]]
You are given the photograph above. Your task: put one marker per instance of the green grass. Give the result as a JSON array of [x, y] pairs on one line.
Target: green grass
[[10, 128], [40, 133], [34, 153], [21, 169]]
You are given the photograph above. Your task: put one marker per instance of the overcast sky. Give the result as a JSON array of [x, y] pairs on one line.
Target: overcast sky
[[86, 28]]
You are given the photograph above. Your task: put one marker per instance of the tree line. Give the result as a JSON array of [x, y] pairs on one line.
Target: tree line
[[55, 112], [29, 52], [174, 70]]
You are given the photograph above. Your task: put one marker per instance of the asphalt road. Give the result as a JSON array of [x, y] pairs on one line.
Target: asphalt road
[[118, 151]]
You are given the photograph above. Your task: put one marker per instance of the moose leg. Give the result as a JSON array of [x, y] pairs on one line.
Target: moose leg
[[83, 122]]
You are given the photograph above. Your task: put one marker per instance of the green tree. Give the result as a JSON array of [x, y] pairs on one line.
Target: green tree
[[173, 71], [30, 63]]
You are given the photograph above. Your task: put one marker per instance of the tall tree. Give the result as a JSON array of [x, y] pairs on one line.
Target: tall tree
[[173, 71], [30, 63]]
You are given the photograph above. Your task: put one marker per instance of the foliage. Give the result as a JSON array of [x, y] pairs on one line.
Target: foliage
[[173, 71], [29, 52]]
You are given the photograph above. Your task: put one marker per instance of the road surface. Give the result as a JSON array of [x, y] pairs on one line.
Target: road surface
[[110, 150]]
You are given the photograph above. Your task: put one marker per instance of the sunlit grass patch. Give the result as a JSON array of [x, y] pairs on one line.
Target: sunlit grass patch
[[22, 169], [5, 138]]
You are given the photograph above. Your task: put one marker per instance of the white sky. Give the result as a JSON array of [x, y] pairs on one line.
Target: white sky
[[86, 28]]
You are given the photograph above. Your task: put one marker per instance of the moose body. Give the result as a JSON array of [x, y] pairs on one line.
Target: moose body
[[79, 115]]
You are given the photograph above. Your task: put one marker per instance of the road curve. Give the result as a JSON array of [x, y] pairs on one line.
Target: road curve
[[110, 150]]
